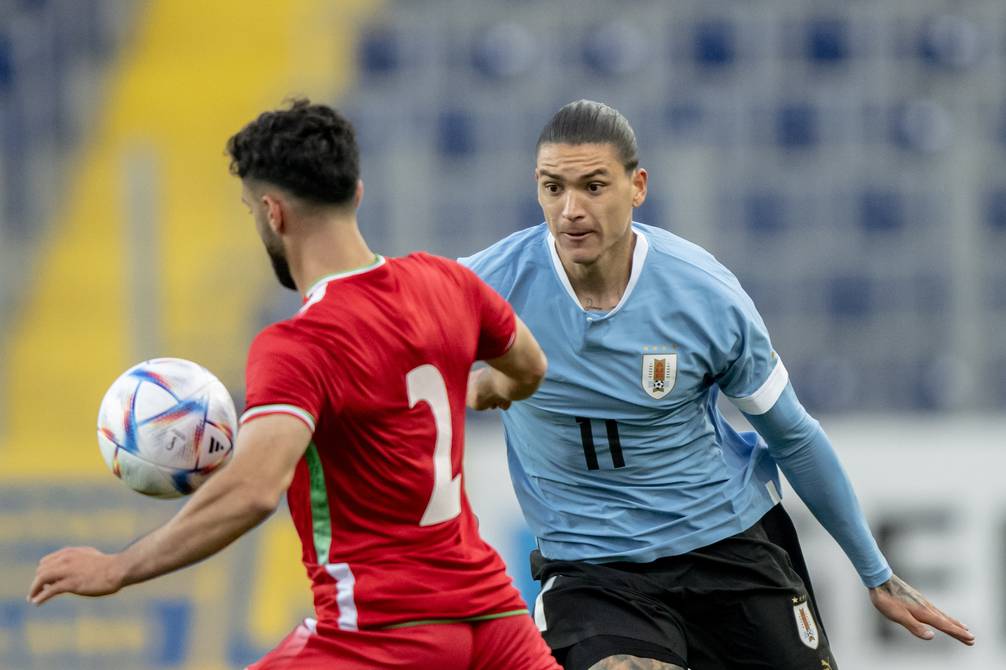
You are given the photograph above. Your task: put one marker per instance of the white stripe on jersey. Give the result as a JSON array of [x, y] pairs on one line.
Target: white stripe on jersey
[[345, 582]]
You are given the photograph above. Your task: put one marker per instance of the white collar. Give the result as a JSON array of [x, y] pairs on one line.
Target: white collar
[[638, 257], [317, 290]]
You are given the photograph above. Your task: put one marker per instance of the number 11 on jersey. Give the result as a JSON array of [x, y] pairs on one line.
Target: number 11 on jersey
[[426, 383]]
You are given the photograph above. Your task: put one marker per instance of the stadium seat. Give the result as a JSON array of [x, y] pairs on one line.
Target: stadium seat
[[379, 51], [922, 125], [849, 296], [456, 134], [6, 64], [995, 209], [881, 211], [684, 119], [797, 126], [827, 41], [952, 42], [764, 213], [614, 49], [503, 51], [714, 43]]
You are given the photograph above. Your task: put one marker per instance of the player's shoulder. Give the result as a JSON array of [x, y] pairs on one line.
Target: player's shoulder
[[681, 263], [499, 263], [433, 267], [278, 338]]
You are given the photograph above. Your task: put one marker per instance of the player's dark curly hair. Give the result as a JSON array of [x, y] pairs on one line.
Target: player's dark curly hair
[[589, 122], [308, 149]]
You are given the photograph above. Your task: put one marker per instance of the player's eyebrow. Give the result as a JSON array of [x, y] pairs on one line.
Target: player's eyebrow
[[584, 177]]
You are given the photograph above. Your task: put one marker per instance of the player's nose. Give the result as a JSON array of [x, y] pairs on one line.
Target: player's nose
[[571, 207]]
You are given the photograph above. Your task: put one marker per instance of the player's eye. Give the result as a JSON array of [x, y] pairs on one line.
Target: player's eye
[[595, 186], [551, 187]]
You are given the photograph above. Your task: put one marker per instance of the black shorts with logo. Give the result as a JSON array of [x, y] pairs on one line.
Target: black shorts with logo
[[742, 602]]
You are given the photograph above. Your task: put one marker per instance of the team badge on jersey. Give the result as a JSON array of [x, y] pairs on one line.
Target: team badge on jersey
[[659, 372], [805, 622]]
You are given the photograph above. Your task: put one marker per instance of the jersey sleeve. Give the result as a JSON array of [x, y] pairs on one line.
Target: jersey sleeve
[[281, 378], [752, 375], [497, 321]]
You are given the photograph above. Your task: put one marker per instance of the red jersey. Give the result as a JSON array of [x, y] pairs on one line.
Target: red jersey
[[376, 363]]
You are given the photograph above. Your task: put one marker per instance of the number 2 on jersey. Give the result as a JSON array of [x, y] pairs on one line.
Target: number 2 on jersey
[[426, 383]]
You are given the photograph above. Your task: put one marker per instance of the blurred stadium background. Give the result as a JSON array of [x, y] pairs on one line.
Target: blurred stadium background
[[846, 160]]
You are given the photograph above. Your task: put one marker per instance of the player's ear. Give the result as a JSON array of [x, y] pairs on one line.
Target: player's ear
[[358, 196], [639, 181], [273, 213]]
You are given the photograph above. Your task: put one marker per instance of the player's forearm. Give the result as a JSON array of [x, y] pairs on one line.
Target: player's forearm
[[222, 510], [805, 455], [513, 388]]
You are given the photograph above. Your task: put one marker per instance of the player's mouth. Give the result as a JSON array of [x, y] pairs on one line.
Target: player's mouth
[[577, 236]]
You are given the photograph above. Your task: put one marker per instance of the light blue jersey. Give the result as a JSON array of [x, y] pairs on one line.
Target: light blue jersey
[[622, 454]]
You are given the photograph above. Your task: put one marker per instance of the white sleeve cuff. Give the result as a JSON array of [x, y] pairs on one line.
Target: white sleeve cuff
[[767, 394], [264, 410]]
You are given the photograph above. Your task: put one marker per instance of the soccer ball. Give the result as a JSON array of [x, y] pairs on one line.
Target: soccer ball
[[165, 425]]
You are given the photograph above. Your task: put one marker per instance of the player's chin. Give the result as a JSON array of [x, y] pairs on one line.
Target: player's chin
[[582, 252]]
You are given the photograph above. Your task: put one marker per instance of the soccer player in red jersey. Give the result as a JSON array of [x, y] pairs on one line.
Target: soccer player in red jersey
[[355, 409]]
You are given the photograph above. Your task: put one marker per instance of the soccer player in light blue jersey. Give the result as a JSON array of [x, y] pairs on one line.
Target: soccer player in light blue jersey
[[661, 543]]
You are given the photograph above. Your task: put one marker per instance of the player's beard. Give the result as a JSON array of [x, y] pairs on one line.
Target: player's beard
[[280, 266]]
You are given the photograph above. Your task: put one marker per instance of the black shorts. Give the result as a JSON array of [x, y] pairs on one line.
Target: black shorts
[[738, 603]]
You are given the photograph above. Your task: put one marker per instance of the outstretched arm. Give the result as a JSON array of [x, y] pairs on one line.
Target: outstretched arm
[[231, 502], [805, 455]]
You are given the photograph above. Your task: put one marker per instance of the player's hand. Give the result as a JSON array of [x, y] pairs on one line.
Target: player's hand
[[482, 393], [81, 570], [899, 602]]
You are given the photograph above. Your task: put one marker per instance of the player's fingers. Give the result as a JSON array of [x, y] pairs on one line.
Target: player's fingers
[[945, 624], [51, 591], [43, 575], [900, 614], [950, 618]]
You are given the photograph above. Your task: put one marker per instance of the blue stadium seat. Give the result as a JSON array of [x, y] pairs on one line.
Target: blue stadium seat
[[764, 212], [379, 51], [995, 209], [6, 64], [503, 51], [827, 41], [684, 119], [714, 43], [922, 125], [613, 49], [881, 211], [456, 134], [850, 296], [951, 42], [797, 126]]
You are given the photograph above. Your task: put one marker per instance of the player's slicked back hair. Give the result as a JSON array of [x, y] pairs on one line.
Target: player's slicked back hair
[[589, 122], [308, 149]]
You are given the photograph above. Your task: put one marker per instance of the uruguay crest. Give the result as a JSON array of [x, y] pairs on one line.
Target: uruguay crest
[[805, 623], [659, 372]]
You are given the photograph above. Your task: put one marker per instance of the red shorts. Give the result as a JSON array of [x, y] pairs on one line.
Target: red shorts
[[511, 642]]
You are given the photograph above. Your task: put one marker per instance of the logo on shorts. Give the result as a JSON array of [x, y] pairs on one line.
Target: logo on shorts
[[659, 372], [805, 622]]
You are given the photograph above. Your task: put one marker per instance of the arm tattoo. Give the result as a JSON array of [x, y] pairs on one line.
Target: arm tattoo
[[896, 587], [627, 662]]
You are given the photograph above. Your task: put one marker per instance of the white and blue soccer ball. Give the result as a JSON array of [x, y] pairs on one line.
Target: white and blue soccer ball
[[165, 425]]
